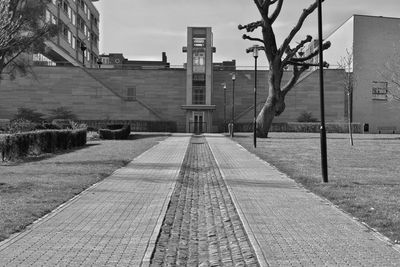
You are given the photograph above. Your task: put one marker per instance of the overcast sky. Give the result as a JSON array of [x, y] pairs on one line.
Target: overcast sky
[[142, 29]]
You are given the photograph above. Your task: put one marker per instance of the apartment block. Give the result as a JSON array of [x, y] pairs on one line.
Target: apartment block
[[77, 42]]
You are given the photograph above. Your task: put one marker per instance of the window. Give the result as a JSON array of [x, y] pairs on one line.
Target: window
[[48, 16], [199, 42], [85, 30], [130, 93], [199, 95], [69, 37], [93, 37], [81, 24], [73, 19], [65, 7], [379, 90], [73, 44], [87, 54]]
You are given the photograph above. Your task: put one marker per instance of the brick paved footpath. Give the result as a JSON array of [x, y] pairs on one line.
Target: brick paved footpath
[[117, 221], [202, 227], [287, 225], [114, 223]]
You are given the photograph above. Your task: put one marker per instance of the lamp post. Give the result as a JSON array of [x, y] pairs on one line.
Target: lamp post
[[224, 86], [99, 62], [233, 104], [83, 48], [324, 161], [255, 50]]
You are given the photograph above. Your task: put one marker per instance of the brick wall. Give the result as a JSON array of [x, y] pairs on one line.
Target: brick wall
[[304, 97], [100, 94]]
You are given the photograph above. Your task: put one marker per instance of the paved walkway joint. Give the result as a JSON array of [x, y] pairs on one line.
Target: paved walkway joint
[[202, 227]]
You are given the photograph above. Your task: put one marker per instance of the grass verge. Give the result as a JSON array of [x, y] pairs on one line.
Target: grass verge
[[31, 188], [364, 180]]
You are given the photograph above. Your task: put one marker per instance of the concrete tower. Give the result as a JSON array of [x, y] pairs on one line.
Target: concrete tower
[[199, 79]]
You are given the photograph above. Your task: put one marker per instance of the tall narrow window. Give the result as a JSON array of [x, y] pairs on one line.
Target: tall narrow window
[[131, 94]]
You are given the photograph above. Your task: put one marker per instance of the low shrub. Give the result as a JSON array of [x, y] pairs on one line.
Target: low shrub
[[136, 125], [62, 113], [29, 114], [306, 116], [115, 132], [21, 125], [19, 145]]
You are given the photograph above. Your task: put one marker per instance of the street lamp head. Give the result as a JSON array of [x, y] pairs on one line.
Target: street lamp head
[[255, 52], [83, 47], [233, 76]]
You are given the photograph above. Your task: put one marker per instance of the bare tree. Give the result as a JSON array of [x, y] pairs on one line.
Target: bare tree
[[22, 29], [279, 58], [346, 63]]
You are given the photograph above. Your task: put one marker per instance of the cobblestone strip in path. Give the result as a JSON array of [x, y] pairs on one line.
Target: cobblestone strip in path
[[202, 227], [112, 223], [290, 226]]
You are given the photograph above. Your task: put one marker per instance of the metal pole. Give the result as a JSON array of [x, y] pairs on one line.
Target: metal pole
[[224, 108], [324, 160], [255, 103], [233, 106]]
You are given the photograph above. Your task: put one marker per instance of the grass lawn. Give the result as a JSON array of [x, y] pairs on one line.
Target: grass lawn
[[34, 187], [364, 180]]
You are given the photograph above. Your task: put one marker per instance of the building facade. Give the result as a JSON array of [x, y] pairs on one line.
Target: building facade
[[118, 61], [197, 98], [77, 42], [373, 42]]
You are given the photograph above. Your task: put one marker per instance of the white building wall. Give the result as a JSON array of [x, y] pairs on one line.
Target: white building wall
[[341, 40], [376, 40]]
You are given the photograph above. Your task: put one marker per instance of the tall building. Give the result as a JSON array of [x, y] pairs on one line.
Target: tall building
[[199, 79], [77, 42], [373, 42]]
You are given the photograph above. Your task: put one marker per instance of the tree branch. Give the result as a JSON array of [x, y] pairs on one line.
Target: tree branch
[[246, 37], [294, 63], [297, 27], [277, 11], [251, 26], [292, 82], [26, 44], [263, 8], [292, 52], [313, 54]]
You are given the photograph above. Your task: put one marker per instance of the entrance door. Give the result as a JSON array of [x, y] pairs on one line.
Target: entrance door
[[198, 122]]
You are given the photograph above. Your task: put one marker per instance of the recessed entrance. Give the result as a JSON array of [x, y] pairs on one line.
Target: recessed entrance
[[198, 125]]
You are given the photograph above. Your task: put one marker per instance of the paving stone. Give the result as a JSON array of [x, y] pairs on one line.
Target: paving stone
[[111, 223], [287, 225]]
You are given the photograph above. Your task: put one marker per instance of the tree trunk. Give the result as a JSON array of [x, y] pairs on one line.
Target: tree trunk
[[349, 118], [274, 106]]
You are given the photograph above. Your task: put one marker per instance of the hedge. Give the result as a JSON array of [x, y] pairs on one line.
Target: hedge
[[20, 145], [305, 127], [136, 125], [115, 131]]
